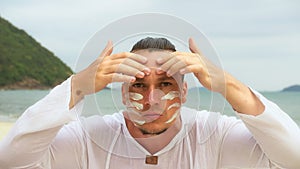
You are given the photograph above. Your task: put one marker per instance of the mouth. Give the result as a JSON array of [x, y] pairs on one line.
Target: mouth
[[151, 116]]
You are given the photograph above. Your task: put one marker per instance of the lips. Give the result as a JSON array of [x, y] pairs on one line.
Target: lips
[[151, 116]]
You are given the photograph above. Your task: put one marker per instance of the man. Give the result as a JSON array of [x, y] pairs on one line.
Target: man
[[155, 130]]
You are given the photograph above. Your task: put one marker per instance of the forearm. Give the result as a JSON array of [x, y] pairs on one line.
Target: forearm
[[77, 93], [241, 98], [34, 131], [276, 133]]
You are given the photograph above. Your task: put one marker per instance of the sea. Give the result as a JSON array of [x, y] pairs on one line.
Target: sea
[[14, 102]]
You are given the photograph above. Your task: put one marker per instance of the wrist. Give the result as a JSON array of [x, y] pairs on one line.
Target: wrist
[[241, 98], [77, 92]]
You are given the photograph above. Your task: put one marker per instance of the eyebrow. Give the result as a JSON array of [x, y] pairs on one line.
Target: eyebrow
[[159, 79]]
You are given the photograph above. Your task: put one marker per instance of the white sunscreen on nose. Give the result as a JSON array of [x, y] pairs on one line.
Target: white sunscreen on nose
[[135, 96], [171, 95], [173, 105], [173, 117]]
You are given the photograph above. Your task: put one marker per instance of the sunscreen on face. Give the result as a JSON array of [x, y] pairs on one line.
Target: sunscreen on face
[[139, 122], [137, 105], [171, 95], [173, 117], [135, 96], [173, 105]]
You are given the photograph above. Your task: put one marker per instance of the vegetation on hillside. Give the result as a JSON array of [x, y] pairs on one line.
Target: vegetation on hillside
[[294, 88], [24, 63]]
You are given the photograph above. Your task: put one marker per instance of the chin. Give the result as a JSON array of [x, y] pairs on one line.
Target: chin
[[154, 128]]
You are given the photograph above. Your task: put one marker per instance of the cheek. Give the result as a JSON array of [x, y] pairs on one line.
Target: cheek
[[169, 101], [173, 106], [135, 96], [173, 100], [135, 100]]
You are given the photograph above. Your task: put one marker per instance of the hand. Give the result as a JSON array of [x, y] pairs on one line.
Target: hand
[[209, 75], [213, 78], [107, 68]]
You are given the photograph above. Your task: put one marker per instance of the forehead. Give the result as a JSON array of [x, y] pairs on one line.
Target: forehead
[[152, 56]]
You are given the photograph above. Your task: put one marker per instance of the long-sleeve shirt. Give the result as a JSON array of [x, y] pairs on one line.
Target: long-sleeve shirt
[[49, 135]]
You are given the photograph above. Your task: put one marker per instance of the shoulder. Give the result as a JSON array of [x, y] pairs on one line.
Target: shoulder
[[208, 125], [99, 126], [202, 117], [102, 122]]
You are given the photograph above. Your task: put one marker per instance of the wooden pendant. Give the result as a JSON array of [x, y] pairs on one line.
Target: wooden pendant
[[153, 160]]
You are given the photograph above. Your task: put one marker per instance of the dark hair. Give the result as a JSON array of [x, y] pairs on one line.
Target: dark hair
[[153, 44]]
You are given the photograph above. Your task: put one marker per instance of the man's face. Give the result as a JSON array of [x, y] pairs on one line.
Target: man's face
[[153, 102]]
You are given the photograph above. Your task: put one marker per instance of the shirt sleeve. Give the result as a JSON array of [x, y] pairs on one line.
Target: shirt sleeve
[[272, 136], [27, 145]]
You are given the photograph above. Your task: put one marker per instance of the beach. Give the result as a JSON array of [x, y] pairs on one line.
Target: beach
[[14, 102], [4, 128]]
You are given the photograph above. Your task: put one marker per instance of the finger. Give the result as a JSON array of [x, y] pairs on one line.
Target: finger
[[117, 77], [139, 58], [133, 56], [167, 57], [129, 62], [166, 66], [164, 59], [108, 49], [136, 65], [128, 70], [191, 69], [176, 68], [193, 46]]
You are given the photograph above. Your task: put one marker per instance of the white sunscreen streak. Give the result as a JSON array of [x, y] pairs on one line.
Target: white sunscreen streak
[[137, 105], [139, 122], [173, 117], [173, 105], [135, 96], [171, 95]]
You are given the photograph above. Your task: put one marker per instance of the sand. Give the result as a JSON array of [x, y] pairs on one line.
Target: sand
[[4, 128]]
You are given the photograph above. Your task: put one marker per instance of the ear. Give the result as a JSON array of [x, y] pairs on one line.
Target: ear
[[184, 92]]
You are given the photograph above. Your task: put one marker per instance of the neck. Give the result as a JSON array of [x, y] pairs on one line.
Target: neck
[[154, 143]]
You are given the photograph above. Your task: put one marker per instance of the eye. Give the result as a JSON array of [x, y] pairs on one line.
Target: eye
[[138, 85], [164, 84]]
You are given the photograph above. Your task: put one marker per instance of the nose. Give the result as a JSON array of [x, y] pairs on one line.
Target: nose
[[154, 96]]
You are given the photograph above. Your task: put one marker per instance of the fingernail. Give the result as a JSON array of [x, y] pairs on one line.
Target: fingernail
[[159, 71], [132, 79], [147, 71], [169, 74], [140, 75]]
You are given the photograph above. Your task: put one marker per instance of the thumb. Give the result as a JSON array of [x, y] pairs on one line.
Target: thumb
[[108, 49], [193, 47]]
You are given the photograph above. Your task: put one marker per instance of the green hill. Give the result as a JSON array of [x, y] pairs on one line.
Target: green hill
[[25, 64], [294, 88]]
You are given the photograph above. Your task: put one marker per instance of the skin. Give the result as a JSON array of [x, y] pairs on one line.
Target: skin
[[148, 67], [161, 84]]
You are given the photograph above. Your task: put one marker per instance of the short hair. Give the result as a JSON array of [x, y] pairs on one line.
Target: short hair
[[153, 44]]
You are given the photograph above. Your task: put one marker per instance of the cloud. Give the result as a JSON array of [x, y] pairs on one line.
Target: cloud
[[243, 31]]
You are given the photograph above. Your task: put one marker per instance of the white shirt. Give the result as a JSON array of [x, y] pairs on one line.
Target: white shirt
[[49, 135]]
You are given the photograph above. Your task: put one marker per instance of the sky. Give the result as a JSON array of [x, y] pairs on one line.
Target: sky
[[257, 41]]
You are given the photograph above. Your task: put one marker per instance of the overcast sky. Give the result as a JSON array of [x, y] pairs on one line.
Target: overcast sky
[[257, 40]]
